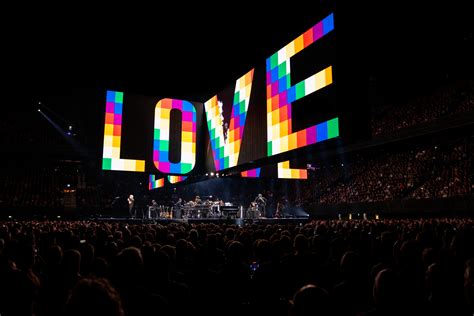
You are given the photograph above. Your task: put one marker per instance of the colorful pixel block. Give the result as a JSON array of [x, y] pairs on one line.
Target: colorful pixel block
[[112, 137], [226, 151], [280, 94], [161, 136], [153, 183]]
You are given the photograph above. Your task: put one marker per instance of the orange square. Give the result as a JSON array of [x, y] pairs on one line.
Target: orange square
[[248, 77], [275, 102], [109, 118], [187, 126], [166, 103], [301, 138], [299, 44], [284, 113], [117, 130], [308, 37]]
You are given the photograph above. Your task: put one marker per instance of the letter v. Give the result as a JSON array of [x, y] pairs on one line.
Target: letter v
[[226, 152]]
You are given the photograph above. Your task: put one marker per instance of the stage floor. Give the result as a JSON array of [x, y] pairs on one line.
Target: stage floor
[[234, 221]]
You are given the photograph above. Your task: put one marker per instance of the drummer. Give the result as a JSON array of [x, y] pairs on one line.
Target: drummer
[[197, 200]]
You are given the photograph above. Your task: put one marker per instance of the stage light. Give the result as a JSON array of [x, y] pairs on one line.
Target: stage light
[[68, 185], [59, 216], [217, 174], [207, 174], [9, 216], [212, 174], [70, 127], [39, 110]]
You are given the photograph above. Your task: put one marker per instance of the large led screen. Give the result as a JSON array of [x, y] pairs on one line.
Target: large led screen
[[286, 103]]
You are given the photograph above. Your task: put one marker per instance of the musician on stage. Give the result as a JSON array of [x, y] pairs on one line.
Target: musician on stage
[[179, 203], [260, 199], [131, 203], [153, 210], [261, 202], [177, 208], [197, 200]]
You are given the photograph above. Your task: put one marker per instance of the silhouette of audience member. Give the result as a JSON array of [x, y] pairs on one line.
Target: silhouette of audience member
[[469, 285], [94, 297], [350, 294], [310, 300], [386, 294]]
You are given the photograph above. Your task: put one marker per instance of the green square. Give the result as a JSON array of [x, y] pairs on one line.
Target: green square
[[226, 162], [288, 83], [186, 167], [273, 61], [333, 128], [242, 107], [282, 70], [221, 152], [300, 92], [107, 164], [164, 145], [156, 134], [236, 97], [119, 97], [269, 149]]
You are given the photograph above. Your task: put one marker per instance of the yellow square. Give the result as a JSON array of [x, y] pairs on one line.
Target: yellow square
[[116, 141], [109, 129]]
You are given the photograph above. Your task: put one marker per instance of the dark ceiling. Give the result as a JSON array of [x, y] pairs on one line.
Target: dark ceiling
[[192, 51]]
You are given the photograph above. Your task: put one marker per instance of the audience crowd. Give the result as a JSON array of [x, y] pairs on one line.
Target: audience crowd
[[334, 267], [450, 100], [436, 171]]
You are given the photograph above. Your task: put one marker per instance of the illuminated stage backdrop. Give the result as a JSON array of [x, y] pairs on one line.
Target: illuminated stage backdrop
[[155, 184], [285, 172], [250, 121], [226, 151], [280, 94], [176, 179], [161, 146], [112, 136], [252, 173]]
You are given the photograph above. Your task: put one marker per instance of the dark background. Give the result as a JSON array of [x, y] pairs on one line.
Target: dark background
[[67, 58]]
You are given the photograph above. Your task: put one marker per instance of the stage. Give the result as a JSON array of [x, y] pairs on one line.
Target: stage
[[229, 221]]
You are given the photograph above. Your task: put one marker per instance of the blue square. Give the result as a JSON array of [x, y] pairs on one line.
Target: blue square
[[291, 94], [110, 96], [321, 132], [328, 24], [118, 108], [274, 74], [175, 168]]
